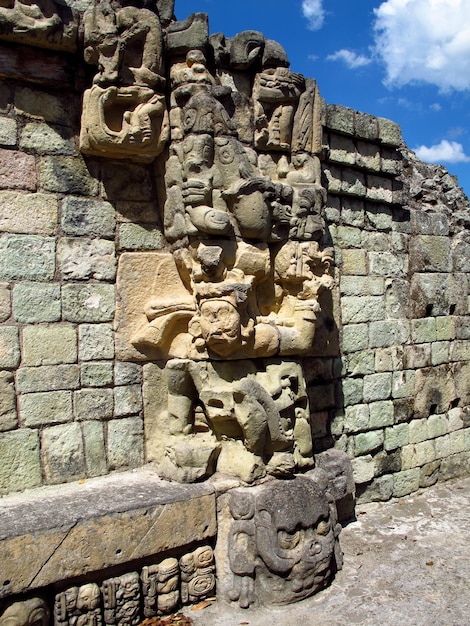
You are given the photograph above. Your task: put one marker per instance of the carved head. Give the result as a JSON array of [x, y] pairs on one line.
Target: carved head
[[88, 597], [32, 612], [220, 326]]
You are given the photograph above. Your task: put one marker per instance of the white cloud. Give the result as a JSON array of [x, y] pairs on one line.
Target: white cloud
[[424, 41], [443, 152], [314, 12], [350, 58]]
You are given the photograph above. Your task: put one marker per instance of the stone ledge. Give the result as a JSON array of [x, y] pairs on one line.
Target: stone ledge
[[52, 534]]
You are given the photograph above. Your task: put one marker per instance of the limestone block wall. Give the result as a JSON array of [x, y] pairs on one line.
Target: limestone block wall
[[388, 381], [400, 231]]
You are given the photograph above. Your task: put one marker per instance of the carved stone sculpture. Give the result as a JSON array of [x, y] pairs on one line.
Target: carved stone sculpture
[[121, 600], [281, 541], [197, 575], [79, 606], [160, 587], [31, 612]]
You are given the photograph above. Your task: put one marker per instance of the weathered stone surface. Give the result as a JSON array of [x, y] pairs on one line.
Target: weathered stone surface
[[364, 443], [140, 237], [9, 347], [63, 453], [52, 107], [46, 408], [49, 345], [396, 436], [95, 448], [93, 404], [42, 138], [36, 302], [363, 469], [17, 170], [125, 443], [8, 131], [81, 216], [406, 482], [27, 257], [5, 302], [20, 468], [127, 400], [95, 341], [47, 378], [16, 210], [127, 373], [8, 416], [103, 522], [88, 303], [66, 174], [81, 259], [96, 374]]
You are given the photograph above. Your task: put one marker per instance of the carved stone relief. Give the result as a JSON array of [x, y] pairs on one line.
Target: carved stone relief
[[31, 612], [281, 541]]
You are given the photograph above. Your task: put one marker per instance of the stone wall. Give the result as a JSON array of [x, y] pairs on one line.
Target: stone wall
[[389, 379], [400, 230]]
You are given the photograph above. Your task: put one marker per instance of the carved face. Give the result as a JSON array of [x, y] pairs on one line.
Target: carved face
[[88, 597], [220, 326], [198, 152], [32, 612]]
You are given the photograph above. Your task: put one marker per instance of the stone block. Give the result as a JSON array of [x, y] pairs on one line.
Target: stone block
[[423, 330], [387, 462], [396, 437], [342, 149], [360, 363], [58, 108], [82, 217], [419, 430], [442, 446], [380, 490], [8, 131], [41, 138], [429, 474], [461, 255], [136, 212], [389, 132], [417, 356], [455, 466], [437, 426], [356, 418], [96, 374], [403, 384], [389, 359], [332, 175], [8, 415], [140, 237], [455, 419], [459, 350], [353, 263], [66, 174], [457, 441], [125, 443], [377, 242], [365, 126], [429, 253], [381, 414], [437, 294], [418, 454], [93, 404], [63, 453], [88, 303], [17, 170], [95, 342], [47, 378], [5, 302], [27, 257], [353, 183], [379, 189], [9, 347], [462, 327], [362, 309], [340, 118], [28, 213], [362, 285], [348, 237], [385, 263], [82, 259], [391, 161], [406, 482], [365, 443], [49, 345], [103, 523], [403, 410], [435, 390], [377, 386], [95, 449], [352, 391], [445, 328], [37, 302], [127, 373], [379, 216], [20, 469], [368, 156], [45, 408], [128, 182], [363, 469], [397, 298], [440, 351], [322, 397], [388, 333]]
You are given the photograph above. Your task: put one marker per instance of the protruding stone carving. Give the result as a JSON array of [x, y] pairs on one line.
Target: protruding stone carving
[[161, 588], [45, 24], [280, 542], [121, 600], [124, 113], [31, 612], [78, 606], [197, 575]]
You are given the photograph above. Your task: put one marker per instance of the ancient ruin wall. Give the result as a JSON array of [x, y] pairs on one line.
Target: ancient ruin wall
[[388, 379]]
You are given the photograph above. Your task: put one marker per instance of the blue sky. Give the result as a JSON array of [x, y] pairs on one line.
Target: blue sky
[[407, 60]]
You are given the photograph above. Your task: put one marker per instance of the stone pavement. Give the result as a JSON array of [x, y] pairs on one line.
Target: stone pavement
[[406, 562]]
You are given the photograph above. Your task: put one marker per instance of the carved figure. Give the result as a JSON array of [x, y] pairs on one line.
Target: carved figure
[[281, 543], [197, 575], [31, 612], [78, 606], [121, 600], [160, 587], [44, 23]]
